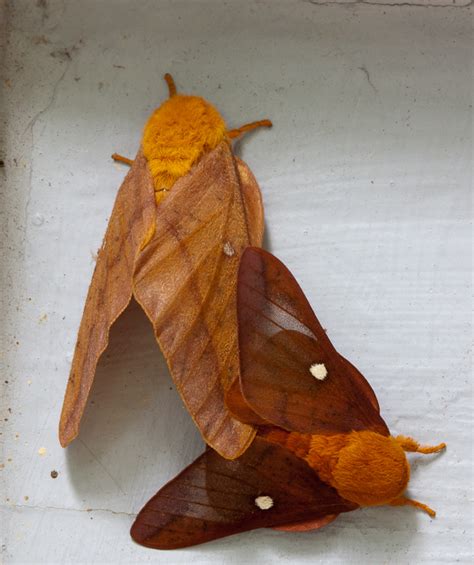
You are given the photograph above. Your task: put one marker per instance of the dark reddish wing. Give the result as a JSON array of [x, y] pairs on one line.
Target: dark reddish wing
[[239, 407], [280, 338], [215, 497]]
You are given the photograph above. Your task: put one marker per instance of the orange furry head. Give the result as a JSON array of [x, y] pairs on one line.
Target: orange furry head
[[364, 467], [371, 469], [177, 134]]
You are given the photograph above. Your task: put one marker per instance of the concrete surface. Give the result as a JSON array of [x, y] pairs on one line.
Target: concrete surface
[[366, 181]]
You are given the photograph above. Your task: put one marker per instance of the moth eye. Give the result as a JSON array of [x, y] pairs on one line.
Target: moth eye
[[228, 249], [264, 502], [319, 371]]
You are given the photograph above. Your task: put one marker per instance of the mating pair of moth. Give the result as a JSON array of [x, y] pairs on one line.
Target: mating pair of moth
[[294, 430]]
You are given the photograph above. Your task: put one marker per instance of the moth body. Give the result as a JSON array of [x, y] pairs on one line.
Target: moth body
[[176, 135], [365, 468], [180, 132]]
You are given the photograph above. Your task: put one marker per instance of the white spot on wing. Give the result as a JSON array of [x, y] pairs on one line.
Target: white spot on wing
[[264, 502], [228, 249], [319, 371]]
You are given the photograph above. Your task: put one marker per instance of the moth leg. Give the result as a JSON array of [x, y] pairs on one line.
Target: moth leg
[[409, 444], [171, 85], [403, 501], [122, 159], [233, 133]]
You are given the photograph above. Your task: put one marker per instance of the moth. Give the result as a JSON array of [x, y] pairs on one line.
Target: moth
[[183, 215], [322, 447]]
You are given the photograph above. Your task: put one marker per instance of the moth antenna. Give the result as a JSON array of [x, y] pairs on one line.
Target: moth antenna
[[409, 444], [233, 133], [171, 85], [402, 501], [122, 159]]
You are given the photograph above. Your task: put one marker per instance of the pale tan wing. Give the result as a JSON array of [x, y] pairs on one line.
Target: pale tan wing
[[131, 223], [252, 200], [186, 280]]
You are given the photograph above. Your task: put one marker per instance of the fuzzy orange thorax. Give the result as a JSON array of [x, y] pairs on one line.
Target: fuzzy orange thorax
[[177, 134], [364, 467]]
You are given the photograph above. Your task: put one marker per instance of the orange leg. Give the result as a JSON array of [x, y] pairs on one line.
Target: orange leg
[[402, 501], [121, 159], [233, 133], [171, 85], [409, 444]]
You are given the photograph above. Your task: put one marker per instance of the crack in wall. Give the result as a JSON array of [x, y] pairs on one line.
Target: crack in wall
[[56, 508], [367, 74], [67, 56], [30, 128], [393, 4], [99, 462], [35, 118]]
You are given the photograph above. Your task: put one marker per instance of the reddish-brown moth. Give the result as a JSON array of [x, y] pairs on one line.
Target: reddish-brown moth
[[322, 447], [186, 210]]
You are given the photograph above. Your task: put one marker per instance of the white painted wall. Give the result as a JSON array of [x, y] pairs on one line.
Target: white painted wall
[[366, 181]]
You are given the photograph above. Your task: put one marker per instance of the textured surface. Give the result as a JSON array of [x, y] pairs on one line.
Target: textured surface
[[365, 178]]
